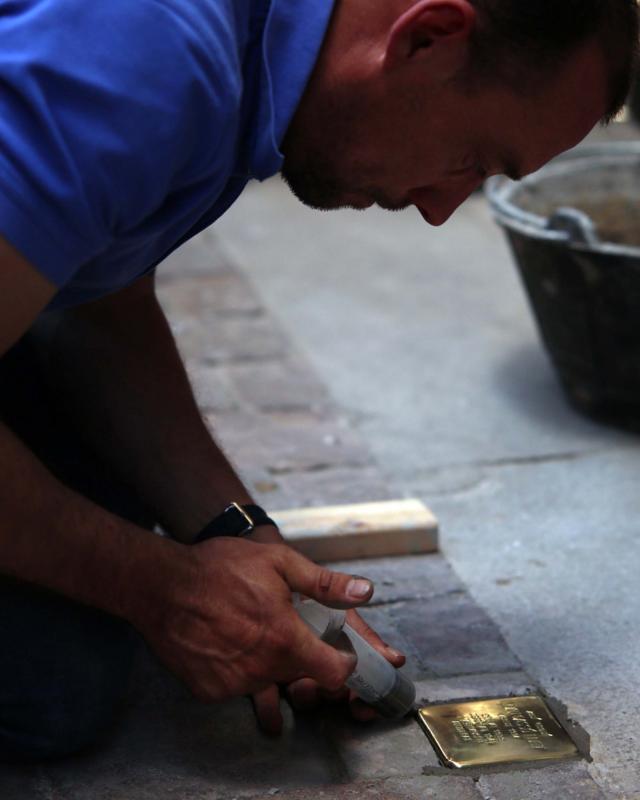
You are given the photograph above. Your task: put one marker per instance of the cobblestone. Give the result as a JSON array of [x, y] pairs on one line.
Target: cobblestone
[[266, 407], [285, 385], [466, 687], [332, 486], [213, 390], [415, 577], [454, 636], [286, 443], [214, 298], [234, 339], [381, 619]]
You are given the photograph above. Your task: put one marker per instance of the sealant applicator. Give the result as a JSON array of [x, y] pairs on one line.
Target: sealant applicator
[[374, 679]]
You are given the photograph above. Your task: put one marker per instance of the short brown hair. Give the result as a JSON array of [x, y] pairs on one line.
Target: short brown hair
[[524, 40]]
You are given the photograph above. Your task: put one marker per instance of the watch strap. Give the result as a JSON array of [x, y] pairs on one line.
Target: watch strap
[[235, 520]]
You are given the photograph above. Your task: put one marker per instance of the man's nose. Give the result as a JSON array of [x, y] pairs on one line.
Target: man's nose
[[445, 202]]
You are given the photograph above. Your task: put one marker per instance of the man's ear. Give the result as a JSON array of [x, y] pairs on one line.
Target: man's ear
[[428, 25]]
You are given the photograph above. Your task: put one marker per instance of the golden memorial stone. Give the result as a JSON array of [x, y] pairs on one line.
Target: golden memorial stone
[[498, 731]]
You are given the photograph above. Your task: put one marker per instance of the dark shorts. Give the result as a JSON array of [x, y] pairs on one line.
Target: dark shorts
[[64, 667]]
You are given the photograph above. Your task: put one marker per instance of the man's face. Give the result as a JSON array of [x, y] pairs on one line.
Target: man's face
[[411, 141]]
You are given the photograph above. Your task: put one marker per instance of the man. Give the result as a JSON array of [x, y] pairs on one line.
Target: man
[[127, 128]]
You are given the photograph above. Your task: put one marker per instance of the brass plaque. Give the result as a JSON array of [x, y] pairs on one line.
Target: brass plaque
[[499, 731]]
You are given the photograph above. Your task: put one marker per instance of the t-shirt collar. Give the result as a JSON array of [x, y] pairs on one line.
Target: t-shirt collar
[[293, 34]]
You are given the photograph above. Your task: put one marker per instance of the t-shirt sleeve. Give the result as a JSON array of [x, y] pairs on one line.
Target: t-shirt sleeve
[[105, 109]]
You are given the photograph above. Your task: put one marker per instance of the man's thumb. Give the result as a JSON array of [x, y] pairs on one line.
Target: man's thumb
[[335, 589]]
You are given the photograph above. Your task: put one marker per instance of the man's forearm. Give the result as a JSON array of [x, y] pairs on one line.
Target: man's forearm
[[117, 369], [55, 538], [223, 629]]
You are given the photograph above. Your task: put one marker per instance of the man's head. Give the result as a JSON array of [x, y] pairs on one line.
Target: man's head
[[518, 41], [415, 102]]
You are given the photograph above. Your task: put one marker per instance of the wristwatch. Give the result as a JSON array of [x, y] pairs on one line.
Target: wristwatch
[[235, 520]]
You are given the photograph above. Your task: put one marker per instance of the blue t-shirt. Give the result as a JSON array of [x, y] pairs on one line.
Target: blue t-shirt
[[128, 126]]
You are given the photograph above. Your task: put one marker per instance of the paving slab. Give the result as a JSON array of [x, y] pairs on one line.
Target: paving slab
[[282, 386], [454, 636], [335, 485], [193, 751], [291, 442], [200, 257], [408, 578], [560, 585], [224, 293], [425, 788], [570, 781], [468, 687], [424, 333]]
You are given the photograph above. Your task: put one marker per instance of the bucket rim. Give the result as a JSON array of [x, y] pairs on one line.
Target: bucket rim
[[499, 191]]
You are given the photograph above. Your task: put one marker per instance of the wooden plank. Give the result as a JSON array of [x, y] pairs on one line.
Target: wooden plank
[[364, 530]]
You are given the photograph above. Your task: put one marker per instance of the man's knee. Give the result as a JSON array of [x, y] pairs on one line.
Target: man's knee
[[63, 676], [71, 718]]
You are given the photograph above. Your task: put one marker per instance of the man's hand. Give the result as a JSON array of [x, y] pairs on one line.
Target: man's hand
[[305, 693], [221, 617]]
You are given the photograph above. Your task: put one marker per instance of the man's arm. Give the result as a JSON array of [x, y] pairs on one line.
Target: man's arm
[[115, 366], [37, 513], [219, 614]]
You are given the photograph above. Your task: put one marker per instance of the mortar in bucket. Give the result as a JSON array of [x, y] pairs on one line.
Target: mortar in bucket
[[574, 230]]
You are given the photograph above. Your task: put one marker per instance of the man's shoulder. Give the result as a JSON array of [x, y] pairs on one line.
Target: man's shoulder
[[110, 108], [145, 31]]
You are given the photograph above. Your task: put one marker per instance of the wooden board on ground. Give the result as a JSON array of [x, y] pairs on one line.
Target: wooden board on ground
[[363, 530]]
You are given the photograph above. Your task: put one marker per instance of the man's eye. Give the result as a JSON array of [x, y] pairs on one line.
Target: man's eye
[[468, 168]]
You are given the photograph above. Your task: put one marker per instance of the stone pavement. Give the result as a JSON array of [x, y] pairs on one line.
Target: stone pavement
[[293, 446], [425, 340]]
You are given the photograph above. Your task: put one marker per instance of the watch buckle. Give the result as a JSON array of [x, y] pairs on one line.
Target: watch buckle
[[243, 513]]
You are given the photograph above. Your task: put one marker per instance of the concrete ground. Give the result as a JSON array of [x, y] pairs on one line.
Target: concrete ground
[[373, 357]]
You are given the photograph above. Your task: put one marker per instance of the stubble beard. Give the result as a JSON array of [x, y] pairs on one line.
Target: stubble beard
[[309, 183], [312, 181], [321, 156]]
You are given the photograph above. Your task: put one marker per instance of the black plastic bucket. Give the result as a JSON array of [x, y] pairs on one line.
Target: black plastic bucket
[[574, 229]]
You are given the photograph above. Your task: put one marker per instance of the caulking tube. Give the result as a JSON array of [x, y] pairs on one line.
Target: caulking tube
[[374, 679]]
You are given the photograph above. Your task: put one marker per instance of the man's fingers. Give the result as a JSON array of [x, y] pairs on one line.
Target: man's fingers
[[266, 706], [361, 711], [366, 631], [303, 694], [339, 696], [325, 664], [335, 589]]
